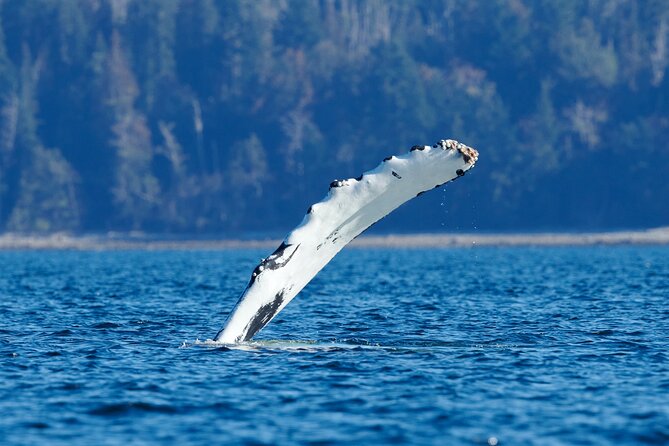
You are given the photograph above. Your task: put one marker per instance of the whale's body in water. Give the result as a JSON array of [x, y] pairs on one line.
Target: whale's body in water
[[350, 207]]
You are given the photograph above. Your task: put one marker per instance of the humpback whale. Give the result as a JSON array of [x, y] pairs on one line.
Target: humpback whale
[[350, 207]]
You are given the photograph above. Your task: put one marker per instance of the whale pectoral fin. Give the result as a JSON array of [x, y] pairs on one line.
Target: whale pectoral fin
[[262, 317], [350, 207]]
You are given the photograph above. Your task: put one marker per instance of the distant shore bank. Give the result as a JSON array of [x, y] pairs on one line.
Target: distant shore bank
[[657, 236]]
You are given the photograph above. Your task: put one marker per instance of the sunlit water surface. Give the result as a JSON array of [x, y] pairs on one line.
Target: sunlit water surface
[[445, 346]]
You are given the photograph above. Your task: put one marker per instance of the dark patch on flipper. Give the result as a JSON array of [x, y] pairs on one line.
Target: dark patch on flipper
[[396, 175], [359, 178], [310, 210], [388, 158], [262, 317], [254, 275], [459, 172], [336, 183], [466, 158], [333, 235], [417, 148], [272, 262], [420, 193]]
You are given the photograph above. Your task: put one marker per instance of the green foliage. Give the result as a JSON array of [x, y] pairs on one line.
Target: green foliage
[[394, 92], [73, 30], [151, 25], [47, 199], [299, 25], [7, 78], [204, 115], [543, 132], [583, 55], [248, 168]]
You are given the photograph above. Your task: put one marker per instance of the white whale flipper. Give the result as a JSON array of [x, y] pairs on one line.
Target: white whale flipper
[[350, 207]]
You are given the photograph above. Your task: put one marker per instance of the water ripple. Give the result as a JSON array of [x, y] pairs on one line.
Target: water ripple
[[451, 346]]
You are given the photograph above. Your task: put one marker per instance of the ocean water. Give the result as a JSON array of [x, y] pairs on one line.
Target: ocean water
[[532, 346]]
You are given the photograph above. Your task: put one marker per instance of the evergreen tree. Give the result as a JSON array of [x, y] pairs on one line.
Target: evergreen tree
[[46, 197], [136, 190], [8, 122], [187, 115]]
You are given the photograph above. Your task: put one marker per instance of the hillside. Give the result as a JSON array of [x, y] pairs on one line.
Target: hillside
[[198, 116]]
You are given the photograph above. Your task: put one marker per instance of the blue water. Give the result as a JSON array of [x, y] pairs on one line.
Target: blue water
[[451, 346]]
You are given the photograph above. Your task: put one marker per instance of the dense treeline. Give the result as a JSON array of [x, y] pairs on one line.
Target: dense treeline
[[203, 115]]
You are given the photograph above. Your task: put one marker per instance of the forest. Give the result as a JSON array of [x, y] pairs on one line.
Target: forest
[[232, 117]]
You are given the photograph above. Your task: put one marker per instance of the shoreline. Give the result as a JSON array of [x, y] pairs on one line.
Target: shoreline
[[61, 241]]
